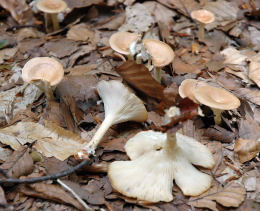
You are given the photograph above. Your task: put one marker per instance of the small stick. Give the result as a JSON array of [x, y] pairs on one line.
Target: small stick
[[74, 194]]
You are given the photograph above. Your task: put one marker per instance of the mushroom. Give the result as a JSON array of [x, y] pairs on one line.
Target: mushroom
[[161, 53], [217, 98], [120, 105], [187, 88], [121, 42], [51, 8], [156, 160], [43, 72], [203, 17]]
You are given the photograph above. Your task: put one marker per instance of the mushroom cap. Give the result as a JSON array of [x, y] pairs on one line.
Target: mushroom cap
[[149, 175], [121, 104], [162, 54], [187, 88], [121, 41], [215, 97], [43, 68], [203, 16], [51, 6]]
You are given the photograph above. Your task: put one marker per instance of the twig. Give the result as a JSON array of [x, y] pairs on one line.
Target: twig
[[74, 194], [44, 178]]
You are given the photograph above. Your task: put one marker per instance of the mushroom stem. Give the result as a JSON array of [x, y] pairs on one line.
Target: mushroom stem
[[45, 87], [201, 31], [158, 74], [92, 145], [55, 22], [217, 115], [46, 22], [171, 141]]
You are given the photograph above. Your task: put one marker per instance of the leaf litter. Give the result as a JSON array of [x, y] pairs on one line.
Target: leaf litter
[[38, 138]]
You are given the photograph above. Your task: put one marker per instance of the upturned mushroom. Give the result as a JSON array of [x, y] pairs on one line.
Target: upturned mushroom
[[161, 53], [51, 8], [121, 42], [120, 105], [44, 72], [156, 160], [217, 99], [203, 17]]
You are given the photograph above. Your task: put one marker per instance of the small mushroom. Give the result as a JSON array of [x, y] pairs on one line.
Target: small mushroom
[[51, 8], [161, 53], [121, 42], [43, 72], [203, 17], [156, 160], [120, 105], [217, 98], [187, 88]]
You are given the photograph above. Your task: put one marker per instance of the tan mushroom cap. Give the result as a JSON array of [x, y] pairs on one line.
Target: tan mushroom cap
[[162, 54], [121, 41], [43, 68], [203, 16], [187, 87], [51, 6], [217, 98]]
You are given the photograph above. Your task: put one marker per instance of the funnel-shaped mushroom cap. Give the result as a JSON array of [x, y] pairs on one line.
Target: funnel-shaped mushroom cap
[[217, 98], [51, 6], [203, 16], [162, 54], [121, 41], [187, 88], [156, 162], [121, 104], [43, 68]]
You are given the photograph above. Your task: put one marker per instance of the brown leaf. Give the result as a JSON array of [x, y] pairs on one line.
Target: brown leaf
[[80, 32], [246, 149], [115, 144], [249, 128], [2, 196], [220, 134], [82, 3], [20, 163], [50, 192], [114, 22], [139, 77], [181, 67], [230, 196], [253, 95]]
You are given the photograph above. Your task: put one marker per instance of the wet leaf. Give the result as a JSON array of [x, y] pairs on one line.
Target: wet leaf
[[19, 164], [246, 149], [139, 77]]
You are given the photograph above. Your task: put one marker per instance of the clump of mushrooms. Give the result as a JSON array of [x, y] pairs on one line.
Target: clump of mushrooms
[[161, 53], [51, 8], [218, 99], [203, 17], [120, 105], [156, 160], [121, 42], [44, 72]]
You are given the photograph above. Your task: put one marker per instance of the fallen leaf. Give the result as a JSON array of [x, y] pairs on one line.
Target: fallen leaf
[[20, 163], [114, 22], [82, 3], [4, 154], [254, 70], [80, 32], [252, 95], [52, 140], [230, 196], [247, 149], [49, 192], [181, 67], [114, 144], [7, 53], [139, 77], [2, 196], [95, 194], [220, 134]]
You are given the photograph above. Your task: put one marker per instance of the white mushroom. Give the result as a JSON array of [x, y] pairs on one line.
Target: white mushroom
[[120, 105], [157, 160]]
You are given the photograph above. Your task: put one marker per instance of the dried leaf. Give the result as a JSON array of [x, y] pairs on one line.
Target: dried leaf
[[80, 32], [252, 95], [181, 67], [52, 140], [19, 164], [246, 149], [2, 196], [220, 134], [7, 53], [230, 196], [50, 192], [139, 77], [114, 144], [4, 154], [114, 22], [254, 70]]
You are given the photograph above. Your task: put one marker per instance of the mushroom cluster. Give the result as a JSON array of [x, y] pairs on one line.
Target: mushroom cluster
[[218, 99], [156, 160], [160, 53]]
